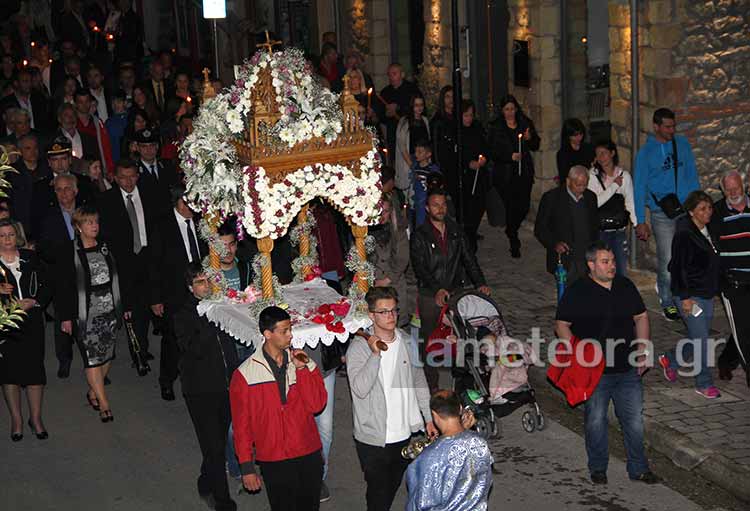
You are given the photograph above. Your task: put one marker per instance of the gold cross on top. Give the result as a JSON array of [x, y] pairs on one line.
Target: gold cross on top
[[205, 72], [269, 44]]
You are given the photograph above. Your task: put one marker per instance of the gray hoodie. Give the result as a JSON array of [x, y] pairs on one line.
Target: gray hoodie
[[368, 396]]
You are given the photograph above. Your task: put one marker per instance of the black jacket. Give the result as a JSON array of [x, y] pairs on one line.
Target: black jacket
[[169, 260], [436, 271], [35, 283], [504, 142], [695, 267], [554, 223], [208, 355], [567, 158]]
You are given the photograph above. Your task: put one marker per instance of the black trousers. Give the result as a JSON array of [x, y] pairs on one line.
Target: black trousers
[[384, 469], [140, 308], [211, 415], [474, 205], [736, 303], [294, 484], [516, 195], [429, 313], [170, 351], [63, 345]]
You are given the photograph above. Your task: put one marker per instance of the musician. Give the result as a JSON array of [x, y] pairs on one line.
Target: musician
[[390, 399]]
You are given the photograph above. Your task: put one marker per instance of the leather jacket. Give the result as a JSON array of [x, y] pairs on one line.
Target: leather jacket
[[436, 271]]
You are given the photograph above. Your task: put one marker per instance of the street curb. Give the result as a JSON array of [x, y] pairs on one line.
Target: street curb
[[681, 450]]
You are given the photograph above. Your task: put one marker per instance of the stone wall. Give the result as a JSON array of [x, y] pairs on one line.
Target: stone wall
[[538, 21], [694, 58]]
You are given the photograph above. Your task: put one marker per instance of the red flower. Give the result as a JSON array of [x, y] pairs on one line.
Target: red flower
[[324, 309], [337, 327], [308, 278], [340, 309], [231, 293]]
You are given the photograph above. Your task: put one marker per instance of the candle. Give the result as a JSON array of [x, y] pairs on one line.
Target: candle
[[520, 152], [189, 99], [96, 28], [110, 37], [33, 43], [369, 98], [476, 174], [25, 62]]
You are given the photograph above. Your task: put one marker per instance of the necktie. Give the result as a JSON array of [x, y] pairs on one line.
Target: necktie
[[159, 95], [154, 171], [134, 223], [194, 255]]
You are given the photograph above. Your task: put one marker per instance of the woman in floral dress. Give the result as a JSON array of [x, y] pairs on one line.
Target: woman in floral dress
[[91, 309]]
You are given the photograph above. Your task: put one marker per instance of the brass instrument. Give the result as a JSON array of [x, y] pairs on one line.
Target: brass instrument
[[416, 446]]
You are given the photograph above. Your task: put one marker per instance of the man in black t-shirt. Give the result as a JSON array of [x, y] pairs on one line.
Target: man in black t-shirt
[[608, 309]]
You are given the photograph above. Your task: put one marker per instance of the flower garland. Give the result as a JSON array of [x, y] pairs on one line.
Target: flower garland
[[360, 268], [271, 208], [261, 303], [311, 260]]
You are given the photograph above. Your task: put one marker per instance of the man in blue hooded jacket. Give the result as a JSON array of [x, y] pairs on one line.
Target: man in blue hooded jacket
[[655, 180]]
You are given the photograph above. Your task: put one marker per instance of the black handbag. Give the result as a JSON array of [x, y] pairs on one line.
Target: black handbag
[[330, 356], [612, 214], [139, 358], [670, 204]]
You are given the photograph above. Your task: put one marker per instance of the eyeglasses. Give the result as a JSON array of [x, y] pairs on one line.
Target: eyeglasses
[[386, 312]]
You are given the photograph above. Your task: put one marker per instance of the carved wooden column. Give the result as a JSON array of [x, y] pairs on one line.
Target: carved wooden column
[[304, 239], [265, 246], [360, 232], [213, 255]]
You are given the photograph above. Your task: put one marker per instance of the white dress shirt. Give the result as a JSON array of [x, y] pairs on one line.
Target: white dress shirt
[[75, 140], [183, 231], [26, 105], [138, 213]]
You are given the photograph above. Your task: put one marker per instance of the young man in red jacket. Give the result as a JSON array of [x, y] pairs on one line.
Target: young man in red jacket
[[274, 396]]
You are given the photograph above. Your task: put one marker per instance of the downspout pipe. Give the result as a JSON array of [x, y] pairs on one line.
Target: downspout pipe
[[635, 109], [564, 108]]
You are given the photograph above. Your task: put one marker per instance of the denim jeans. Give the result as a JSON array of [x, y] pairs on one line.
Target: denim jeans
[[626, 391], [698, 332], [324, 420], [618, 242], [663, 228], [233, 466]]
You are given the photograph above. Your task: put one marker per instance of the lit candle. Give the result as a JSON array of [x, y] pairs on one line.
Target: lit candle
[[50, 61], [520, 153], [33, 43], [25, 62], [369, 98], [476, 174], [96, 28], [189, 99], [110, 37]]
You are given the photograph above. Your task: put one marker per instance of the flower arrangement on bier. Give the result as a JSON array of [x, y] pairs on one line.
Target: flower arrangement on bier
[[270, 143]]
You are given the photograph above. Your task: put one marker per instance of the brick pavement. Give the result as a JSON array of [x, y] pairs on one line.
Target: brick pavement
[[678, 418]]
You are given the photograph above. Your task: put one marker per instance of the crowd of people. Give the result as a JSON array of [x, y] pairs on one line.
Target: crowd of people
[[96, 224]]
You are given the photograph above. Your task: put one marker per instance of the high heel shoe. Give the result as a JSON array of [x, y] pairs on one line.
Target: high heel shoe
[[41, 435], [16, 437], [106, 416], [94, 403]]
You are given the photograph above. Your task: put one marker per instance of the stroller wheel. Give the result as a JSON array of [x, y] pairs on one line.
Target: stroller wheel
[[540, 424], [528, 422], [484, 427], [496, 429]]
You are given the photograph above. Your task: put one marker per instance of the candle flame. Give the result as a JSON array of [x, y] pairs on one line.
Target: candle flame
[[369, 91], [96, 28], [110, 37], [25, 62], [50, 61], [520, 135], [33, 43], [189, 99]]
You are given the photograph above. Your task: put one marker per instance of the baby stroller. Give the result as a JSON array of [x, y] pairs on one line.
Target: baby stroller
[[473, 316]]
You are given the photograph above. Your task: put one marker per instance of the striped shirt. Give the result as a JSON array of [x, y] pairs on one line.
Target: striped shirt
[[732, 228]]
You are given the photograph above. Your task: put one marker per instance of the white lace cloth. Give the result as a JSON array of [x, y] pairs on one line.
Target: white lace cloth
[[235, 318]]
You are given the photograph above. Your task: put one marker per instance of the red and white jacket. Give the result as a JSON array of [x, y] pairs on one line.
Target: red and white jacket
[[276, 431]]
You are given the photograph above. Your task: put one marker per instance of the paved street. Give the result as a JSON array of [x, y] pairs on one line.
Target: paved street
[[148, 459]]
